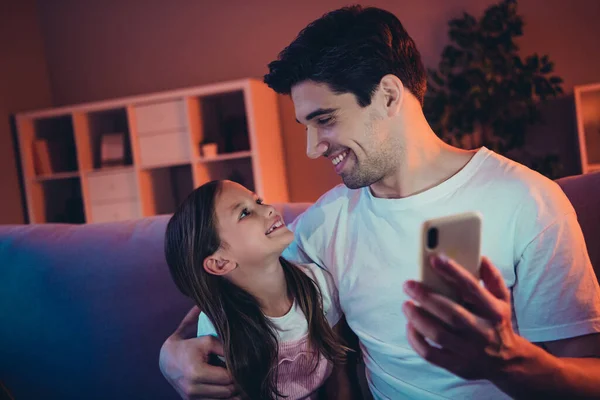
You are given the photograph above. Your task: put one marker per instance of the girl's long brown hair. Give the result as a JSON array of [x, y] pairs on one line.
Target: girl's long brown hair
[[249, 339]]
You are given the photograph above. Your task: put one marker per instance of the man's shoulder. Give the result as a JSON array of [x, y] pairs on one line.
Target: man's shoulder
[[535, 196], [329, 208], [517, 180]]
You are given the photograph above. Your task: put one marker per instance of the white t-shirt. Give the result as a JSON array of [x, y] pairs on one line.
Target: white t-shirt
[[371, 246], [293, 325]]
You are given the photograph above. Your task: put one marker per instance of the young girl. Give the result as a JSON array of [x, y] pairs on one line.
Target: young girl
[[223, 247]]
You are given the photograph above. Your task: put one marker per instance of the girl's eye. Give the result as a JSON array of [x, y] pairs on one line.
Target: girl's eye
[[259, 201], [245, 212]]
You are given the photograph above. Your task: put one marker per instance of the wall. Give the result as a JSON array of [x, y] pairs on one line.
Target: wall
[[24, 85], [99, 50]]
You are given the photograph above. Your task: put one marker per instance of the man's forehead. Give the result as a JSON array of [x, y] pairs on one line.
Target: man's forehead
[[309, 97], [311, 90]]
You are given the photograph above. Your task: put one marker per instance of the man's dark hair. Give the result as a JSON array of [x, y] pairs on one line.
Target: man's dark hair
[[350, 50]]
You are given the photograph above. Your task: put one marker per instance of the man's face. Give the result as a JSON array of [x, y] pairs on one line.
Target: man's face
[[356, 139]]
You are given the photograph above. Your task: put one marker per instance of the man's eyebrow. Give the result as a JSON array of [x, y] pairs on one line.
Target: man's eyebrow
[[317, 112]]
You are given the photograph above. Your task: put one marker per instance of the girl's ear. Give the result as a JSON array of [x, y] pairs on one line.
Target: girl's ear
[[218, 265]]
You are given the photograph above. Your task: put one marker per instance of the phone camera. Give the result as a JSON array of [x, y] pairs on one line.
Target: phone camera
[[432, 238]]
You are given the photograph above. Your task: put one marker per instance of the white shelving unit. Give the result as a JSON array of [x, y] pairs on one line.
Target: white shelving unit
[[587, 105], [163, 162]]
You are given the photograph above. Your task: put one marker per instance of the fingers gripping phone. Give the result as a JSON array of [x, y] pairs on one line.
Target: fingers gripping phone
[[459, 238]]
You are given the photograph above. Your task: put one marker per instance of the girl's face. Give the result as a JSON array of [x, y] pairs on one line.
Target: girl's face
[[252, 233]]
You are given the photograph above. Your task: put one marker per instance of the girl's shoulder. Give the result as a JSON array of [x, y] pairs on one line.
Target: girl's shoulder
[[326, 284]]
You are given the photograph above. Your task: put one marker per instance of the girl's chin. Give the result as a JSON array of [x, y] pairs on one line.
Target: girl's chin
[[285, 238]]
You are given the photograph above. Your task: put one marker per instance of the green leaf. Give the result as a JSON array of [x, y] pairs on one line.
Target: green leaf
[[555, 80], [517, 62], [547, 67], [533, 62], [437, 79]]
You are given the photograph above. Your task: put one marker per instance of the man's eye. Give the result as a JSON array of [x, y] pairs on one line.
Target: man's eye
[[324, 121], [245, 212]]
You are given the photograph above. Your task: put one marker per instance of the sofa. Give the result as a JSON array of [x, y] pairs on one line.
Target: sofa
[[84, 309]]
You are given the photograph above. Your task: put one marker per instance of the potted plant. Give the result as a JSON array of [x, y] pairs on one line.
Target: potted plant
[[483, 92]]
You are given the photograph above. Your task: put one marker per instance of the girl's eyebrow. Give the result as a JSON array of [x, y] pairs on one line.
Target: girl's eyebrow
[[235, 207]]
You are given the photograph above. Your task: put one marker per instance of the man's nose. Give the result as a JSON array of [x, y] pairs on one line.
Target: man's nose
[[315, 147]]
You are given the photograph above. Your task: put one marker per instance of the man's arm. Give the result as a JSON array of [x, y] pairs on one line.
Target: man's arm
[[184, 362], [343, 383], [570, 368], [577, 347]]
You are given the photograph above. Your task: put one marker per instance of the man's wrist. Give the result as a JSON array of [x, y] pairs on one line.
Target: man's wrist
[[527, 370]]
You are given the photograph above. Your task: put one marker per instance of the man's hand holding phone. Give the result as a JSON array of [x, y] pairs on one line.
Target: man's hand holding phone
[[474, 343]]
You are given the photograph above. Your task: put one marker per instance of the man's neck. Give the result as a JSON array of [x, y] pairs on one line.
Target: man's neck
[[426, 162]]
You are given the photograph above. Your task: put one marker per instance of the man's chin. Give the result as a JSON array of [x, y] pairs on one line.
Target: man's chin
[[353, 183], [354, 180]]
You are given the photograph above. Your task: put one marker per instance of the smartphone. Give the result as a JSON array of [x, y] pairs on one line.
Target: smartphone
[[459, 238]]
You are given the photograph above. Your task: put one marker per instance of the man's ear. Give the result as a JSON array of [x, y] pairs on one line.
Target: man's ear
[[218, 265], [393, 92]]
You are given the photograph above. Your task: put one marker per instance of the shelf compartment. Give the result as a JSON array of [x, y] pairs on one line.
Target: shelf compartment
[[220, 119], [53, 146], [238, 170], [163, 189], [58, 201], [97, 125]]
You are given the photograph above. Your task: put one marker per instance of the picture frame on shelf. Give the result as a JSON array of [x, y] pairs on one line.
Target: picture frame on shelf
[[112, 149], [587, 107]]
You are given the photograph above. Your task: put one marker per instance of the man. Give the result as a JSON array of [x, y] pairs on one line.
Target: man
[[357, 83]]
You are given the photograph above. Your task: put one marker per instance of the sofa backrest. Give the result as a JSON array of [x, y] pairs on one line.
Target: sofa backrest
[[84, 309], [584, 193]]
